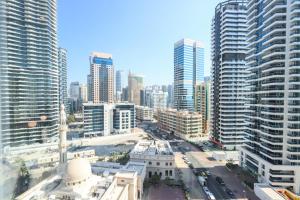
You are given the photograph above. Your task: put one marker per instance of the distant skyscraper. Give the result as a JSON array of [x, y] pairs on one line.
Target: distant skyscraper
[[83, 93], [188, 72], [74, 90], [119, 84], [62, 69], [228, 73], [28, 72], [89, 87], [135, 85], [170, 95], [272, 145], [102, 74], [158, 100], [202, 104]]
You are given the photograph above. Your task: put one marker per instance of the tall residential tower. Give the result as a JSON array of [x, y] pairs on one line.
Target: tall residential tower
[[28, 72], [228, 73], [102, 75], [62, 84], [272, 147], [188, 72]]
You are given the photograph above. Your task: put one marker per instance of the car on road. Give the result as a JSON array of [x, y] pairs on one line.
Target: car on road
[[206, 190], [207, 173], [229, 192], [208, 193], [220, 180]]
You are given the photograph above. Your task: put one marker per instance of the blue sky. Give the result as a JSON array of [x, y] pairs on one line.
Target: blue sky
[[140, 34]]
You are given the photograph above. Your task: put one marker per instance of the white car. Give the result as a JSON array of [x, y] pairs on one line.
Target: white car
[[206, 190]]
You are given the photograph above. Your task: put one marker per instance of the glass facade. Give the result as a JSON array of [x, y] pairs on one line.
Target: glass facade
[[188, 72], [62, 68], [29, 72]]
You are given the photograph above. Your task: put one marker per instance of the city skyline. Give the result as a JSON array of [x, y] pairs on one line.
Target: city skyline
[[154, 34]]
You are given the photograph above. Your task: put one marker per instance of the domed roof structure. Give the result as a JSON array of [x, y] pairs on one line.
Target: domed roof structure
[[78, 170]]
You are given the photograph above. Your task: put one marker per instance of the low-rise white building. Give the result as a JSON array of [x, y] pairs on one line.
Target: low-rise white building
[[183, 124], [103, 119], [157, 155], [144, 113], [78, 182]]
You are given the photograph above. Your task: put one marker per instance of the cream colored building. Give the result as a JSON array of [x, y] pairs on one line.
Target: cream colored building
[[183, 124], [144, 113], [78, 182], [202, 104], [135, 85], [157, 155]]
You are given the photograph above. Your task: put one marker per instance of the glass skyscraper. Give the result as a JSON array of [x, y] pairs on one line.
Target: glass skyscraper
[[188, 72], [29, 72]]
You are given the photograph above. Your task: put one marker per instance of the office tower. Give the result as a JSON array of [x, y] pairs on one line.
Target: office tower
[[164, 88], [83, 93], [74, 97], [272, 146], [124, 96], [89, 87], [74, 90], [158, 100], [62, 71], [28, 72], [142, 97], [102, 74], [120, 84], [135, 85], [228, 73], [170, 96], [188, 72]]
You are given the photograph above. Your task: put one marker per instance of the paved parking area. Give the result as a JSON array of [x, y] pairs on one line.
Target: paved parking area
[[202, 159]]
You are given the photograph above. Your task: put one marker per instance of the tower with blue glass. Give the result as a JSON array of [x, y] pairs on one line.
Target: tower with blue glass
[[188, 72], [102, 75]]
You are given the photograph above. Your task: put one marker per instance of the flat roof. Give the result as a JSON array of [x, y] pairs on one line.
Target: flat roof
[[153, 147], [267, 192]]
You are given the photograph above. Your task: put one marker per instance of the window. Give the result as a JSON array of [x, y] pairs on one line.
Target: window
[[166, 173], [171, 173], [170, 164], [150, 163], [157, 163], [167, 164]]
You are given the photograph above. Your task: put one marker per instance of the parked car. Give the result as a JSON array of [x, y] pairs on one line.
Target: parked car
[[220, 180]]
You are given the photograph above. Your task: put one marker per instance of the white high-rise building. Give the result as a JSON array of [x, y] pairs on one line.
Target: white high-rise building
[[272, 146], [228, 74], [62, 69], [28, 72]]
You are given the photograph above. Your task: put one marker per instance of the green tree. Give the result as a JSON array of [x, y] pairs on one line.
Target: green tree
[[71, 118], [23, 179]]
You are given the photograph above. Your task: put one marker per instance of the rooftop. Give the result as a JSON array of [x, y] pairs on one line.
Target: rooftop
[[151, 148]]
